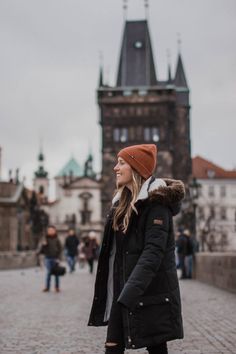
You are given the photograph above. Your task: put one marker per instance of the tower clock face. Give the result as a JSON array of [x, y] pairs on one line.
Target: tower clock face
[[138, 44]]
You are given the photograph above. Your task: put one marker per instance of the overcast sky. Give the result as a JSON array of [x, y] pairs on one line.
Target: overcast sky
[[49, 63]]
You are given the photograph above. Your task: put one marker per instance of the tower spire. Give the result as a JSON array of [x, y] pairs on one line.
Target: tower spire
[[169, 78], [125, 9], [100, 81]]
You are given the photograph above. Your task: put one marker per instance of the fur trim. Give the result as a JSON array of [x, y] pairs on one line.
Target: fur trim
[[145, 190], [172, 193], [166, 191]]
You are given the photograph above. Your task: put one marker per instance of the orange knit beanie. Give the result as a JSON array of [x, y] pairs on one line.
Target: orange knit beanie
[[142, 158]]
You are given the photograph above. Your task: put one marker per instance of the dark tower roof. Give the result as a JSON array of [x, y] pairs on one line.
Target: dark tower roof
[[136, 66], [180, 78]]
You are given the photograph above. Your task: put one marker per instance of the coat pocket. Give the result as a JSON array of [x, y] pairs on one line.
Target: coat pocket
[[153, 316]]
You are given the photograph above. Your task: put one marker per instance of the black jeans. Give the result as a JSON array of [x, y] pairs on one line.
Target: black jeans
[[115, 334]]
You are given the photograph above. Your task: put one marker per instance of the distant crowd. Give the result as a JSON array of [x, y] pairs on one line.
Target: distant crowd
[[84, 250]]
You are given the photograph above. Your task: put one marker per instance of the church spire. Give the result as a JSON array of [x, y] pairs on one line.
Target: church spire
[[180, 78], [41, 172]]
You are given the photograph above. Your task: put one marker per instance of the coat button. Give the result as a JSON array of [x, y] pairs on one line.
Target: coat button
[[167, 299], [96, 298], [133, 346], [127, 252], [141, 304], [131, 313]]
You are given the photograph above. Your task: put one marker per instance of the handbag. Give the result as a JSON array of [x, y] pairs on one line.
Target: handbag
[[58, 270]]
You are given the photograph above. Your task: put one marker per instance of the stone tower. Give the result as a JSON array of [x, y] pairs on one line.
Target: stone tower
[[142, 109]]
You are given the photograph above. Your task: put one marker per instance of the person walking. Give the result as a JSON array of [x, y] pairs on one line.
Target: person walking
[[51, 248], [136, 289], [189, 254], [182, 244], [71, 247], [90, 249]]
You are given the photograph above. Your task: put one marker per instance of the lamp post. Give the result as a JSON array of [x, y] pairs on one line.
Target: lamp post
[[194, 188]]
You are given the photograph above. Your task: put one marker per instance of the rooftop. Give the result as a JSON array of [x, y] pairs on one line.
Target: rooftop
[[204, 169], [72, 167]]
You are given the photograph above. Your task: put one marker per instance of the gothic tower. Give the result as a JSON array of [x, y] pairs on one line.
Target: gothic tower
[[142, 109]]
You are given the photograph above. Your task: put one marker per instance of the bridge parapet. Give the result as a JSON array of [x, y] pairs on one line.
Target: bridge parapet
[[218, 269]]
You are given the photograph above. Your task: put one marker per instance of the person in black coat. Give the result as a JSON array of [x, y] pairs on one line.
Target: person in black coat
[[71, 247], [136, 288], [182, 250]]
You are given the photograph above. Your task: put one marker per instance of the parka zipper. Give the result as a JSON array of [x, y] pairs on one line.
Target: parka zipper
[[126, 310]]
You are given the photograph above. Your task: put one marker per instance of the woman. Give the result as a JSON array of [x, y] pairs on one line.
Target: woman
[[51, 249], [136, 289]]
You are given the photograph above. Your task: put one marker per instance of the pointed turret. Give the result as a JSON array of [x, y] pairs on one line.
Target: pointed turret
[[169, 80], [136, 65], [100, 82], [180, 78], [88, 167]]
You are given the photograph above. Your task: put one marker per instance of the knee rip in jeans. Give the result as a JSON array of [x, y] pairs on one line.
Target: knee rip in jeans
[[110, 344]]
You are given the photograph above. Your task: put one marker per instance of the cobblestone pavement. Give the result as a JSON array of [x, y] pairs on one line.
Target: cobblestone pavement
[[32, 322]]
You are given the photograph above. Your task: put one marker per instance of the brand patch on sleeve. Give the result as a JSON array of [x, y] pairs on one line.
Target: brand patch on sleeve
[[158, 221]]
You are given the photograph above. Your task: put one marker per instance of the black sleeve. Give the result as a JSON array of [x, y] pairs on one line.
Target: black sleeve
[[156, 234]]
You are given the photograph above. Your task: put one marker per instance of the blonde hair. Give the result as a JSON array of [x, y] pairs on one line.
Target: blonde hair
[[127, 201]]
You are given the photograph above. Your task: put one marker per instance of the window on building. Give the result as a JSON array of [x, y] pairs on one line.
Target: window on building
[[142, 92], [212, 212], [41, 190], [223, 191], [116, 134], [223, 215], [211, 191], [85, 212], [120, 134], [127, 93], [132, 133], [124, 135], [147, 134], [210, 173], [151, 134], [155, 134]]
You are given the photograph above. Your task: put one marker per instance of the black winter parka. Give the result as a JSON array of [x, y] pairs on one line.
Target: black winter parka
[[150, 294]]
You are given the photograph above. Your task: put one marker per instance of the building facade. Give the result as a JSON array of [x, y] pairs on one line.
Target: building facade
[[15, 229], [216, 206], [142, 109], [78, 199]]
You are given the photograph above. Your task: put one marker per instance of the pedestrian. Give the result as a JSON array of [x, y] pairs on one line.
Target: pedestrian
[[182, 244], [136, 289], [189, 254], [51, 248], [90, 249], [71, 247]]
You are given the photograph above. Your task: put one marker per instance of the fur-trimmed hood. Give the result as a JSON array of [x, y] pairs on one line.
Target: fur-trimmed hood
[[165, 191]]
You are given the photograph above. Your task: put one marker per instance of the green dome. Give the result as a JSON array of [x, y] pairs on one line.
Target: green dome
[[72, 167]]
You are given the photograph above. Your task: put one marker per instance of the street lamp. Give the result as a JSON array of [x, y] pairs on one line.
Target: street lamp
[[194, 188]]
